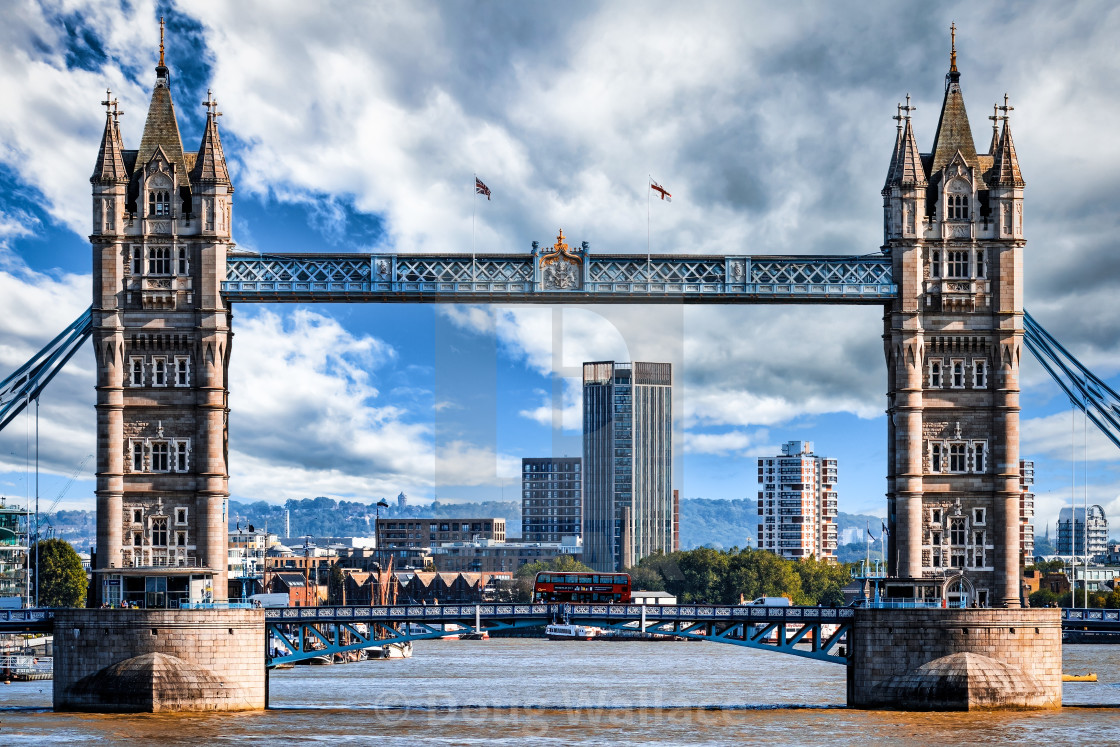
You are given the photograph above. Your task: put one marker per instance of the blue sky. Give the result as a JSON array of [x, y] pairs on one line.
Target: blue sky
[[361, 128]]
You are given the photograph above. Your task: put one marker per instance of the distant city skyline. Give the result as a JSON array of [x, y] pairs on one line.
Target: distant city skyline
[[774, 138]]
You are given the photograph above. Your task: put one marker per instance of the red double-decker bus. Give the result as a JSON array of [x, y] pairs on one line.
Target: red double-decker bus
[[609, 588]]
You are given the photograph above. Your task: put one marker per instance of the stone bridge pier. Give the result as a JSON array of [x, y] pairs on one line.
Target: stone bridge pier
[[955, 659], [148, 661]]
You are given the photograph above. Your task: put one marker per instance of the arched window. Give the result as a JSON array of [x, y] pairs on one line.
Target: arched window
[[159, 202], [956, 202], [159, 532]]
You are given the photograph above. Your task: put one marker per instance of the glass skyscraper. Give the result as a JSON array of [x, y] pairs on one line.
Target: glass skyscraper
[[627, 458]]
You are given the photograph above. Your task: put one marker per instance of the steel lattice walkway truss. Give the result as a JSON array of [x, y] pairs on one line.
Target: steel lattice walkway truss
[[578, 277]]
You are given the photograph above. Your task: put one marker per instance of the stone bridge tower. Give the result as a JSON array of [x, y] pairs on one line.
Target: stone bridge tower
[[161, 332], [953, 224]]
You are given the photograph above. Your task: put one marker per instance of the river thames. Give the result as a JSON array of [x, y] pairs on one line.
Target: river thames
[[527, 691]]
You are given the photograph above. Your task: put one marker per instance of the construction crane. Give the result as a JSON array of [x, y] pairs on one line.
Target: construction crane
[[45, 517]]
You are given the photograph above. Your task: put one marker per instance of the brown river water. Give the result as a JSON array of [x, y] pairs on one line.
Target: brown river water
[[536, 692]]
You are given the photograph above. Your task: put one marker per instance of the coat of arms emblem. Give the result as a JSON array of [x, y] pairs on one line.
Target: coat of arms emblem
[[560, 266]]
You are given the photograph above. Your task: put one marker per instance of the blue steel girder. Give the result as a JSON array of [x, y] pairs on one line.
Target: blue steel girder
[[813, 632], [810, 632], [519, 278], [28, 380], [33, 620]]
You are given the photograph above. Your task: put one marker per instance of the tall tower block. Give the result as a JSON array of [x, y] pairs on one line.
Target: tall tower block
[[161, 231], [953, 225]]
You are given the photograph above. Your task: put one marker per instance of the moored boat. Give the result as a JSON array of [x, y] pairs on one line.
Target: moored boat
[[390, 651], [565, 632]]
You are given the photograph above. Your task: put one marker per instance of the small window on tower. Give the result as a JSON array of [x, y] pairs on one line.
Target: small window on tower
[[182, 261], [935, 374], [181, 456], [958, 264], [981, 270], [137, 259], [936, 457], [979, 373], [136, 372], [159, 202], [137, 456], [935, 263], [958, 374], [182, 371], [159, 372]]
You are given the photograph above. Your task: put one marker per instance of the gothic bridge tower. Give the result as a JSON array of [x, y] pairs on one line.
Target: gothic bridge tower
[[161, 332], [953, 225]]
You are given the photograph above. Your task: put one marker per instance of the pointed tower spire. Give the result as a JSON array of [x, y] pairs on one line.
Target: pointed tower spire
[[953, 131], [1005, 164], [210, 166], [897, 146], [995, 130], [109, 168], [161, 129], [908, 170]]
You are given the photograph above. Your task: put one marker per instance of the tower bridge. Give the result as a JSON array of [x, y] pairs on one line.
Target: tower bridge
[[166, 274]]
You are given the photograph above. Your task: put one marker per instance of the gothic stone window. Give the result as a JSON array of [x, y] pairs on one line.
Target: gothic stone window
[[957, 200], [181, 451], [137, 456], [935, 374], [159, 260], [159, 202], [137, 259], [958, 374], [159, 372], [979, 458], [182, 371], [180, 516], [981, 270], [979, 373], [136, 372], [957, 456], [936, 457], [958, 263], [935, 263], [182, 261], [159, 532], [160, 457]]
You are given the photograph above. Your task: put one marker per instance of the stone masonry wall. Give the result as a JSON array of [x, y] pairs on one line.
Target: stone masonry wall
[[229, 644], [890, 642]]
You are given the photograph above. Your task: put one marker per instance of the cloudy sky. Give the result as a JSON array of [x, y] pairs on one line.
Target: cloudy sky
[[358, 127]]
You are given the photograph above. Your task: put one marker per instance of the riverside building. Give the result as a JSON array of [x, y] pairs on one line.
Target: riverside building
[[1072, 528], [551, 498], [627, 462], [797, 503]]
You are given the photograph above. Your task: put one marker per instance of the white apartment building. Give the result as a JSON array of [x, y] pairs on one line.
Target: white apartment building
[[797, 503]]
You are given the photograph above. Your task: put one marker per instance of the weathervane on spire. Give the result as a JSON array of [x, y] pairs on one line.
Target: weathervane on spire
[[161, 42], [953, 54], [109, 103], [898, 116]]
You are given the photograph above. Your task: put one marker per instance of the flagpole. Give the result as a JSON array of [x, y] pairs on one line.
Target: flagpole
[[649, 188], [474, 208]]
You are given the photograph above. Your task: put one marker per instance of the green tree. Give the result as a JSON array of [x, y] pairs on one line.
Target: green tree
[[821, 582], [62, 580], [760, 573], [1043, 598], [335, 583]]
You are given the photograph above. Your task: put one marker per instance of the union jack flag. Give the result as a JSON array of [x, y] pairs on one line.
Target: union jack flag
[[480, 188]]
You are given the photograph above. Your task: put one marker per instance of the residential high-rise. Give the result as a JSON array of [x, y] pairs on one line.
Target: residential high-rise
[[551, 498], [1026, 511], [1071, 531], [797, 503], [627, 462]]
